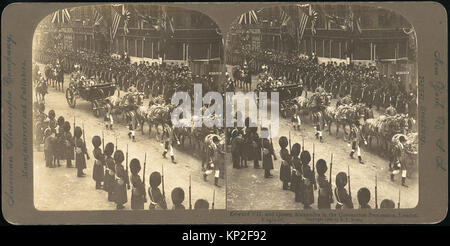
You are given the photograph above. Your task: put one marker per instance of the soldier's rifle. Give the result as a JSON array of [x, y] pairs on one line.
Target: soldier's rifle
[[103, 142], [214, 198], [376, 192], [74, 152], [331, 170], [348, 178], [84, 141], [290, 143], [162, 181], [303, 144], [314, 169], [143, 177], [126, 168], [398, 204], [190, 195], [116, 143]]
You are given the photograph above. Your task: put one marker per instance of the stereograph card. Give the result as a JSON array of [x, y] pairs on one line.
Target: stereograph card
[[224, 113]]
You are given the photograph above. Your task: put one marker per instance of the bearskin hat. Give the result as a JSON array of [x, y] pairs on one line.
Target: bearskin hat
[[341, 179], [118, 156], [284, 153], [96, 141], [135, 166], [387, 203], [41, 107], [295, 151], [363, 196], [321, 166], [305, 157], [177, 195], [283, 142], [155, 179], [201, 204], [61, 120], [66, 126], [110, 164], [51, 114], [77, 132], [109, 149]]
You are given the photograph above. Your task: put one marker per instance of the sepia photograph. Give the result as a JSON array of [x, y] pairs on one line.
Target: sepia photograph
[[104, 76], [346, 78], [239, 112]]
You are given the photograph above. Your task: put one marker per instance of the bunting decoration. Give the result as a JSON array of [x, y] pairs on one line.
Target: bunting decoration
[[116, 16], [249, 17], [98, 17], [303, 20], [61, 16]]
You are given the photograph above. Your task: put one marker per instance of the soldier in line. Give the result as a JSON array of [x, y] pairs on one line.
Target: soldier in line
[[387, 203], [69, 144], [61, 147], [40, 125], [177, 199], [157, 200], [138, 197], [81, 151], [52, 121], [364, 198], [297, 184], [308, 179], [325, 197], [49, 147], [285, 168], [110, 181], [356, 137], [343, 199], [267, 161], [201, 204], [98, 171], [122, 181]]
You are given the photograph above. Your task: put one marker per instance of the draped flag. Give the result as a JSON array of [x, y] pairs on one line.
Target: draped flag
[[249, 17], [126, 15], [314, 17], [116, 16], [284, 17], [167, 23], [98, 17], [61, 16], [303, 20]]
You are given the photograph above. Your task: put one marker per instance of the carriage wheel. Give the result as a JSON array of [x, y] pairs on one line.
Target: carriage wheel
[[95, 108], [70, 98]]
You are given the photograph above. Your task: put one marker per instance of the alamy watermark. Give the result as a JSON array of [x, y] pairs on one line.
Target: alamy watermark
[[250, 104]]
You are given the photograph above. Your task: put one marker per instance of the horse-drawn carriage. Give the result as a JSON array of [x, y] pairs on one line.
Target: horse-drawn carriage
[[91, 91]]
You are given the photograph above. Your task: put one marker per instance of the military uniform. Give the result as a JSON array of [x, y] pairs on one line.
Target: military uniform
[[308, 179], [138, 197], [122, 181], [109, 181], [343, 199], [325, 197], [80, 152], [267, 161], [356, 136], [157, 199], [98, 171]]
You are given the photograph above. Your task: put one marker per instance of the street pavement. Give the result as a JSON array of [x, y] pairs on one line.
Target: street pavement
[[249, 190], [60, 188]]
